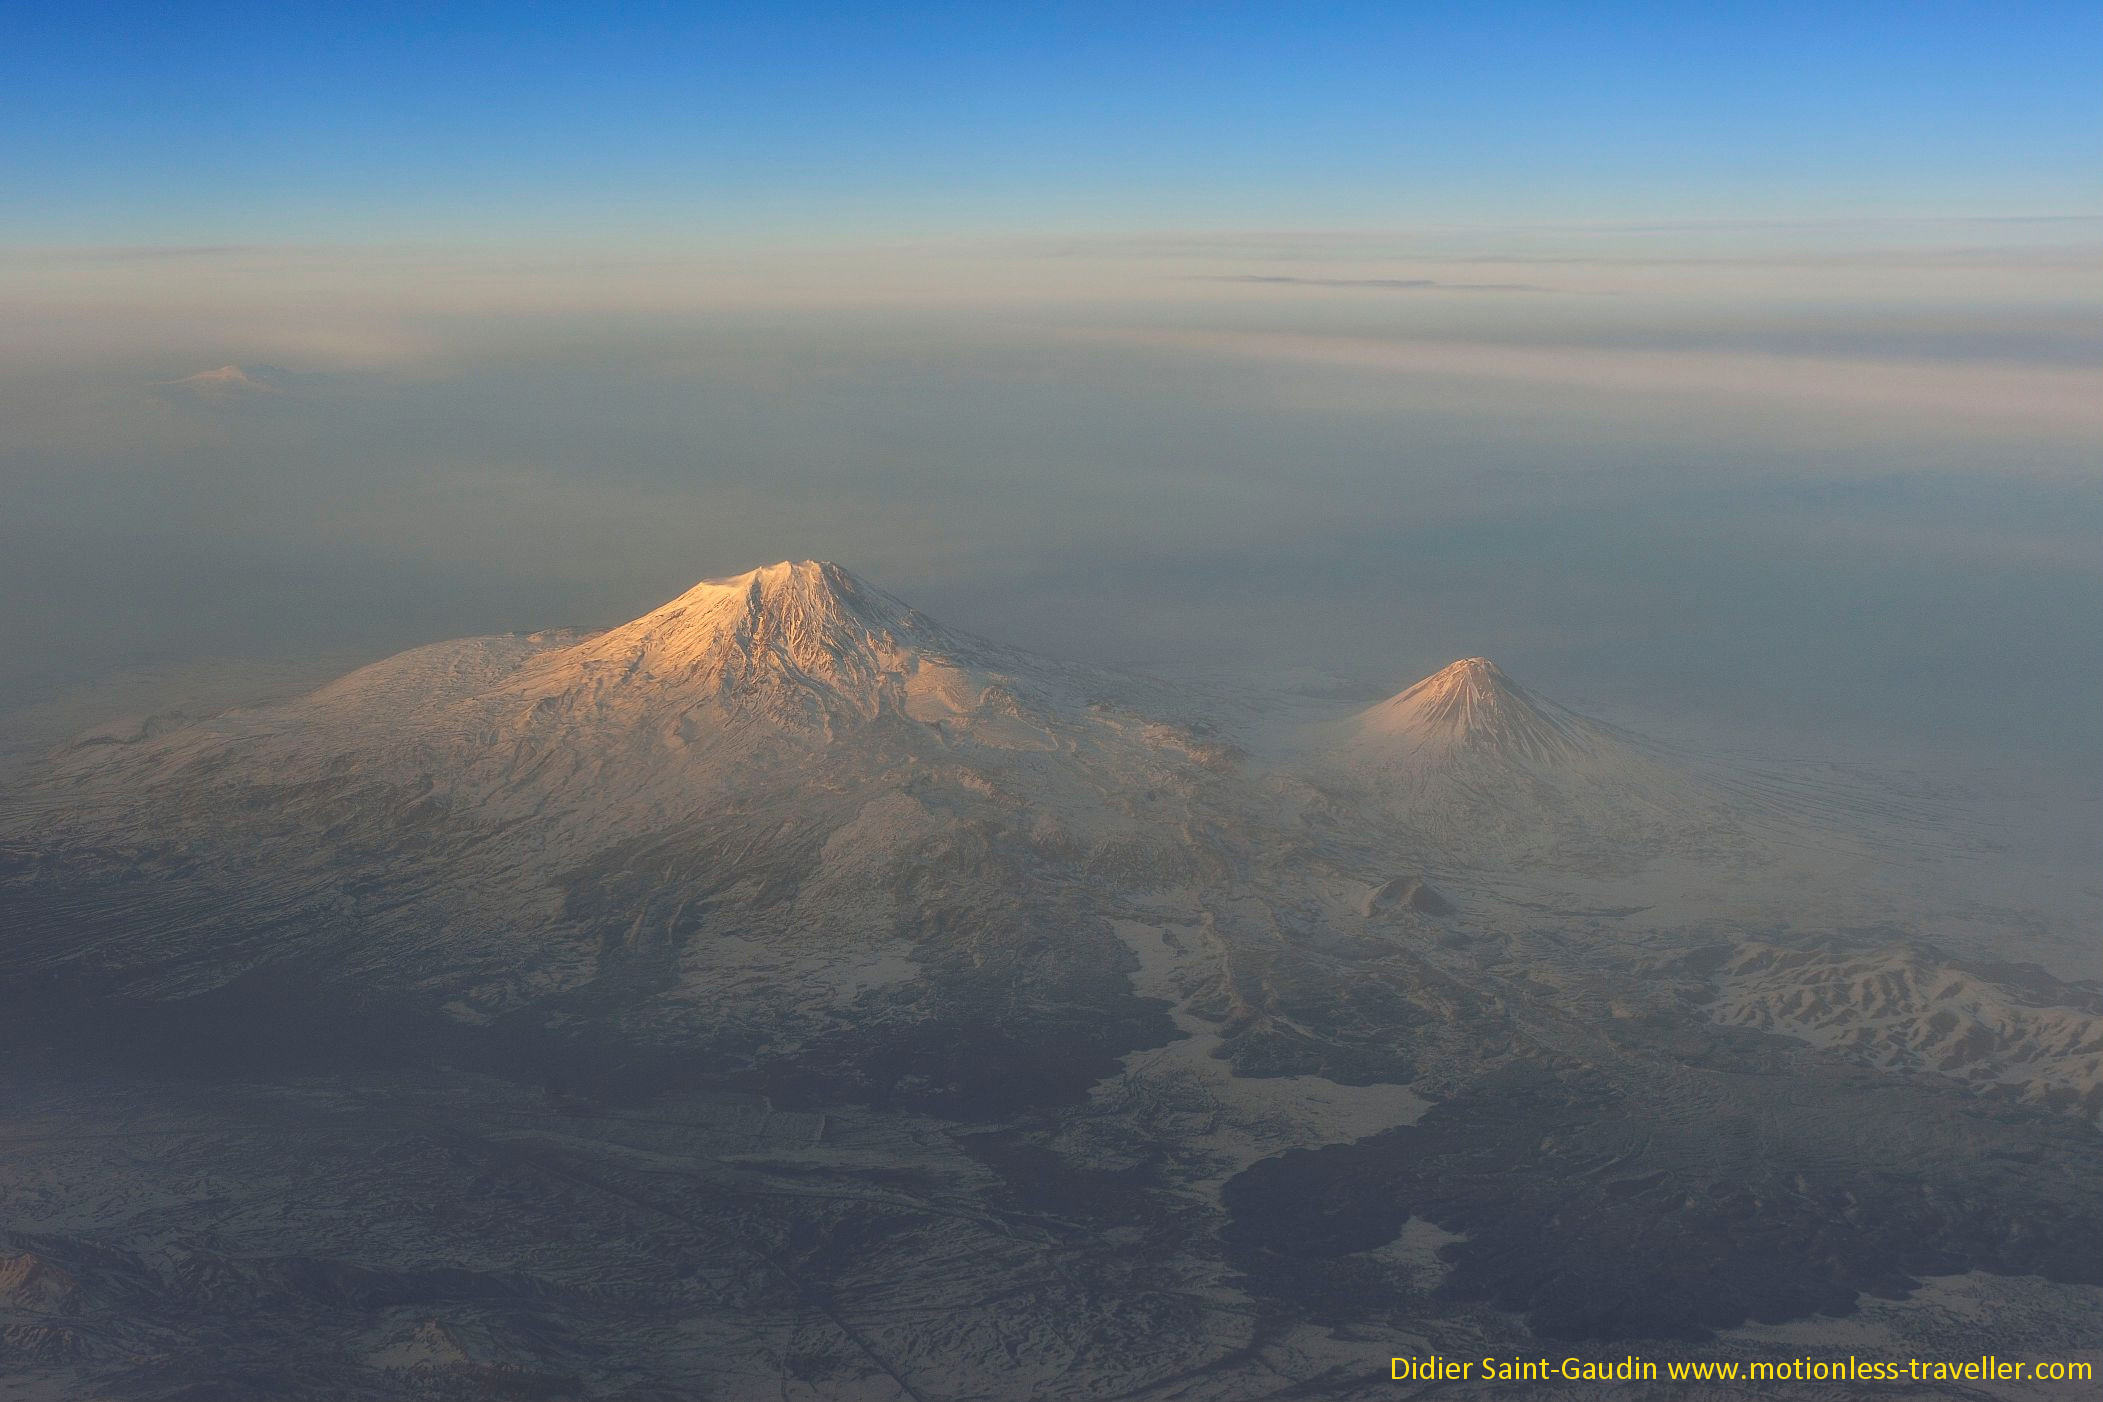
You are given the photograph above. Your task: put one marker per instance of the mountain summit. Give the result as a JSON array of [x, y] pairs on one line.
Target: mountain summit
[[227, 384], [1490, 773], [807, 616], [1473, 707], [797, 641]]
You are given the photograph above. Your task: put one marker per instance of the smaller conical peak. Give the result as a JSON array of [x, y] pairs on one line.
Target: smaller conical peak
[[1472, 705], [1463, 694], [227, 379]]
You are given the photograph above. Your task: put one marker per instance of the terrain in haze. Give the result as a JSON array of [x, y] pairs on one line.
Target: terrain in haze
[[782, 995]]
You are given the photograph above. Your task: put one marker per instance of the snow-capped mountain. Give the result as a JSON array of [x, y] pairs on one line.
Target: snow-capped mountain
[[227, 385], [803, 645], [787, 753], [1484, 772], [1472, 708], [797, 753], [770, 676], [828, 995]]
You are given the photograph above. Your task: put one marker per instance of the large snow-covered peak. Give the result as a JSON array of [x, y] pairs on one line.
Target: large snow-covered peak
[[795, 639], [1473, 707]]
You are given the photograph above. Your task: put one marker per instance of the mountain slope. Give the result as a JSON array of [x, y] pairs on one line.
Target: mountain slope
[[802, 644], [2008, 1031], [1473, 708], [735, 684], [1484, 772], [782, 808]]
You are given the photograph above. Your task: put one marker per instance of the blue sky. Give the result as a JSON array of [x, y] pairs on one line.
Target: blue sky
[[142, 123]]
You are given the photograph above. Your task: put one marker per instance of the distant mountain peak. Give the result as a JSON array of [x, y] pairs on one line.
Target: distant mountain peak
[[1472, 706], [227, 384]]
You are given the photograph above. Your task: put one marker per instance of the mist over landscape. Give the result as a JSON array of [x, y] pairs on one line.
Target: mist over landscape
[[1150, 706]]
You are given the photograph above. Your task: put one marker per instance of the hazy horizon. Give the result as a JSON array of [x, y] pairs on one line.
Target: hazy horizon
[[1855, 509], [1745, 362]]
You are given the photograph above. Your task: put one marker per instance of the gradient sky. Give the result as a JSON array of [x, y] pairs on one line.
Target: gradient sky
[[156, 124]]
